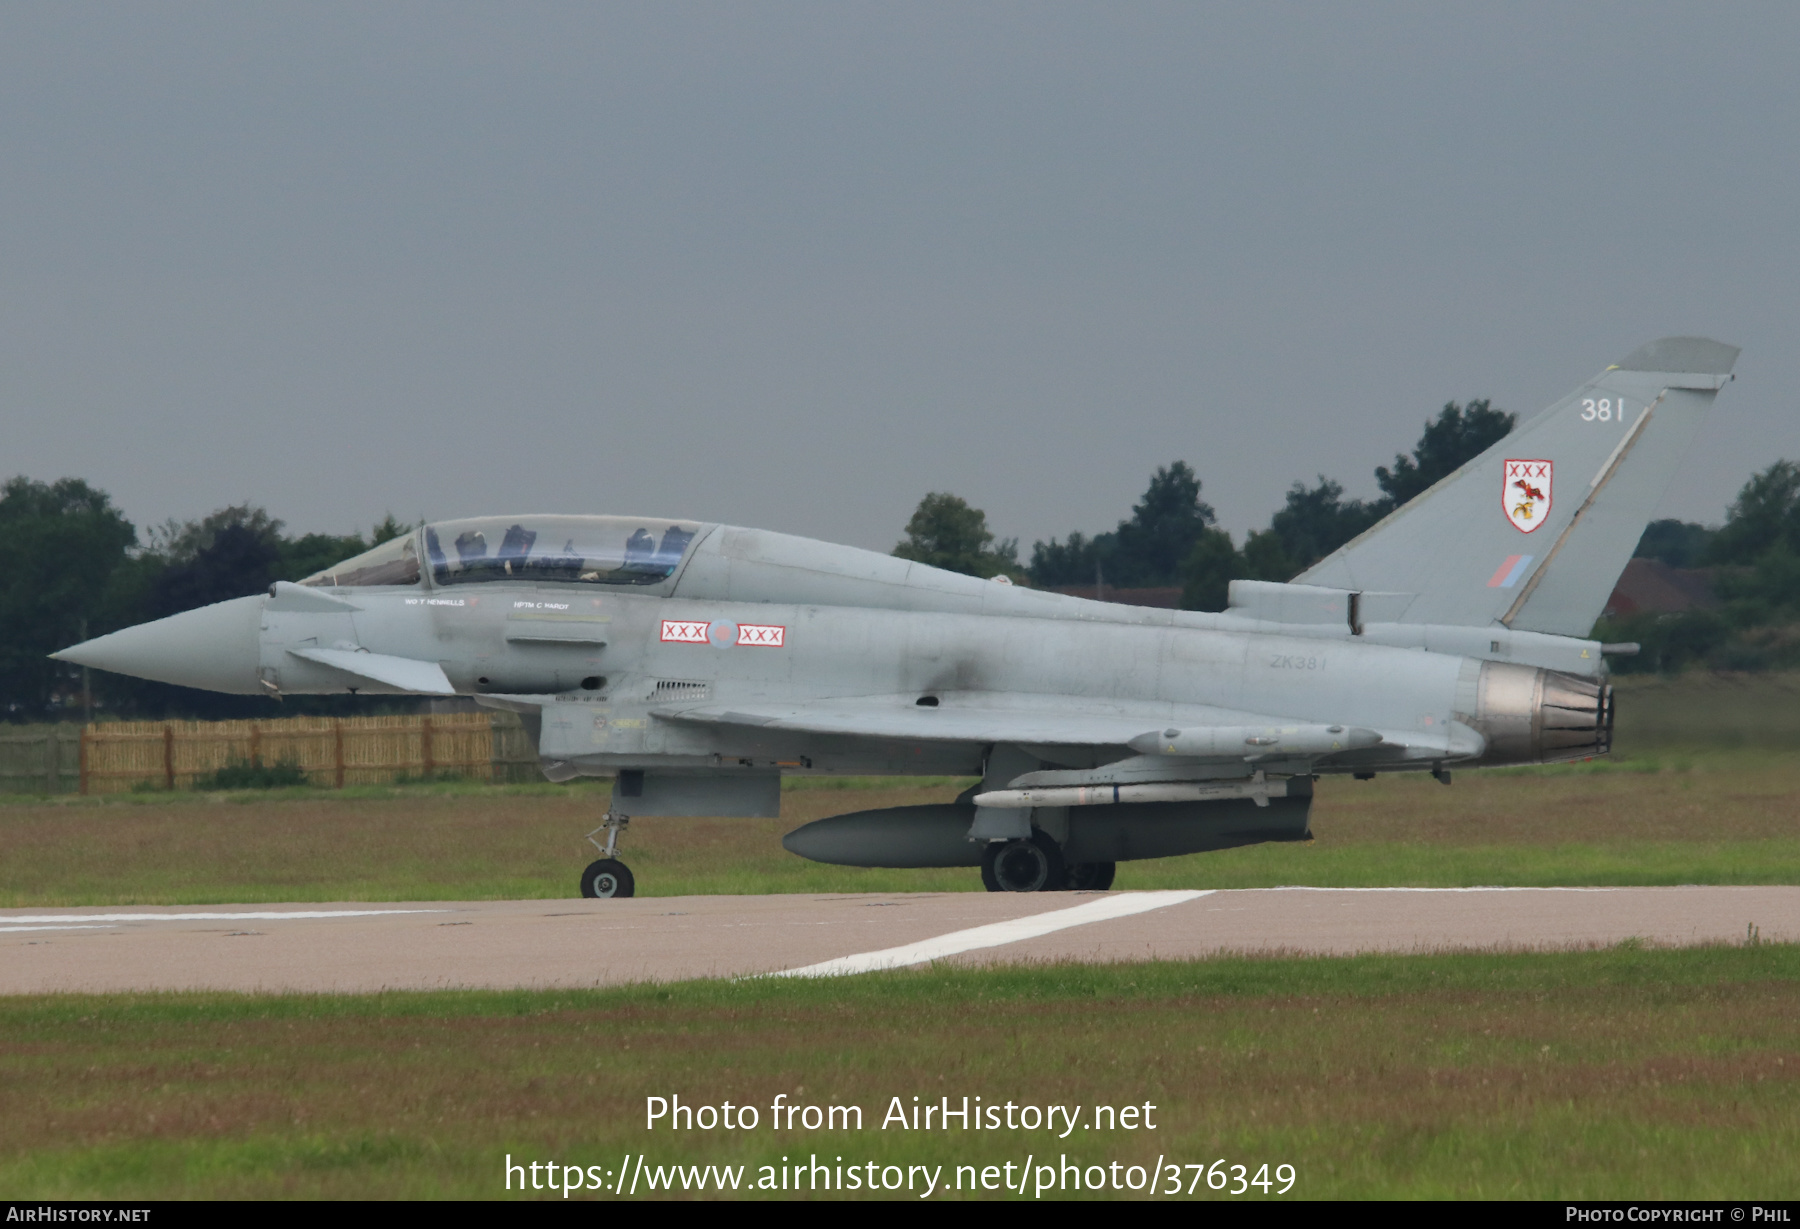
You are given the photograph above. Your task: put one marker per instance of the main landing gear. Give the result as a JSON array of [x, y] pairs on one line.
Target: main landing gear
[[1090, 876], [608, 877], [1037, 865]]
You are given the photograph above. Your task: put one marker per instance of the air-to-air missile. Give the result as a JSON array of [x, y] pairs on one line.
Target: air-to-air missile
[[696, 664]]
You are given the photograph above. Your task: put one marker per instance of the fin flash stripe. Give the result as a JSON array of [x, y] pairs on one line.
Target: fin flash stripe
[[1507, 574]]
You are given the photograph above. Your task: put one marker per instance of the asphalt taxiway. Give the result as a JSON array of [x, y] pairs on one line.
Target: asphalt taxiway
[[362, 947]]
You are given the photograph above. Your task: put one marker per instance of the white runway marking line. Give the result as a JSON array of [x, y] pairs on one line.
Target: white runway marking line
[[90, 921], [996, 934], [1300, 887]]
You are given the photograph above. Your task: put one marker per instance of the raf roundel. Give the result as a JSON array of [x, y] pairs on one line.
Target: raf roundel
[[1525, 494]]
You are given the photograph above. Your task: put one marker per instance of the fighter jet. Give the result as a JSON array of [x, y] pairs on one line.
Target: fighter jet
[[695, 664]]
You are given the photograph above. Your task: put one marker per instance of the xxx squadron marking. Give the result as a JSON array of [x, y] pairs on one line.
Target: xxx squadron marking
[[724, 634], [762, 635], [1525, 494]]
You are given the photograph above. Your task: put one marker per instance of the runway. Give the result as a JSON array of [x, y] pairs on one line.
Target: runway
[[361, 947]]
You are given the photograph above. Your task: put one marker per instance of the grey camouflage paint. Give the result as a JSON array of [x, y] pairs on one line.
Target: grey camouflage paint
[[1425, 643]]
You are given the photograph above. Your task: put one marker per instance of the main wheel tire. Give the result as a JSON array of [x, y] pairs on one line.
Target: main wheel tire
[[1034, 865], [1090, 876], [607, 878]]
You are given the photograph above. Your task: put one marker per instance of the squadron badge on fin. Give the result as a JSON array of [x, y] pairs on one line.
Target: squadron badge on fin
[[1525, 497]]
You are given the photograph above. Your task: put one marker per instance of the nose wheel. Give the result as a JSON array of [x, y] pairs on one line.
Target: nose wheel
[[608, 877]]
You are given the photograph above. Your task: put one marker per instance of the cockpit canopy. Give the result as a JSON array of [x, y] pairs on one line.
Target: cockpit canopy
[[595, 550], [394, 562]]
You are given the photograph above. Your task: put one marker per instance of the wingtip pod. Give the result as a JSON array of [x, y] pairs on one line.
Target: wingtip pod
[[1251, 742], [1685, 355]]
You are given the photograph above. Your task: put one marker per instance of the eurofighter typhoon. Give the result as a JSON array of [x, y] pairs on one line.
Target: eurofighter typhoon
[[696, 663]]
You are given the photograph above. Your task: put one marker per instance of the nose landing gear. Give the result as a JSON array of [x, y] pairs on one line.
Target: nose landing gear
[[608, 877]]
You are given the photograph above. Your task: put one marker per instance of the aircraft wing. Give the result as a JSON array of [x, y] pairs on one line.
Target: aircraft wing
[[987, 717]]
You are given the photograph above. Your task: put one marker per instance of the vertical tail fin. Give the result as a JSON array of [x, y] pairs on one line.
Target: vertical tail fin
[[1534, 532]]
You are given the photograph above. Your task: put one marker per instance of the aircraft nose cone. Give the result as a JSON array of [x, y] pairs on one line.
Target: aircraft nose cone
[[213, 648]]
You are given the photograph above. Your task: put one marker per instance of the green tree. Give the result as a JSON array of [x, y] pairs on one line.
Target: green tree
[[1077, 561], [60, 545], [1680, 544], [1265, 558], [1756, 556], [387, 529], [300, 557], [1151, 547], [1766, 593], [1667, 642], [947, 533], [181, 542], [1766, 512], [1213, 562], [1760, 546], [1455, 437], [1147, 549], [1314, 521], [234, 552], [314, 552]]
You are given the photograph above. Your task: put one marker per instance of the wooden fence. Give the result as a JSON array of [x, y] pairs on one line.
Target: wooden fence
[[113, 757], [40, 759]]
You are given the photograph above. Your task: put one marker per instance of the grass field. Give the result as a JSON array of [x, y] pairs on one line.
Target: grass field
[[1611, 1074], [1704, 788], [1626, 1073], [1711, 815], [1699, 709]]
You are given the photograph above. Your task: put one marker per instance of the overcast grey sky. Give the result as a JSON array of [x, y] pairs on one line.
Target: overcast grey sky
[[795, 265]]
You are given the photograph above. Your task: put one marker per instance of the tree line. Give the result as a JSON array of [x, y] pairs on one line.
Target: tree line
[[1172, 540], [72, 566], [1754, 565]]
